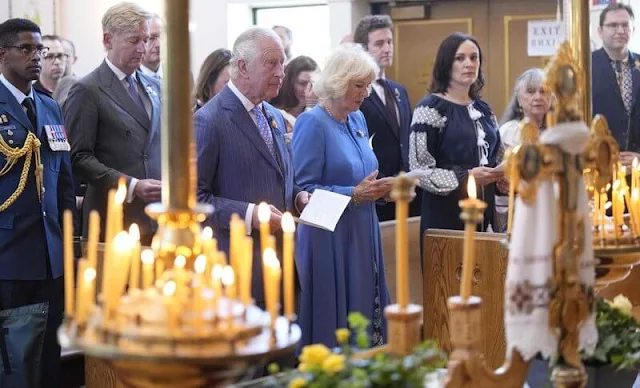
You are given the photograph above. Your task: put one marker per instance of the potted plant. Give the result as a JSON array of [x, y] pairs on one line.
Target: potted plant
[[615, 361]]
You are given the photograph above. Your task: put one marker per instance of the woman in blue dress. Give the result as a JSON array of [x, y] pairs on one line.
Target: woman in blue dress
[[454, 134], [343, 271]]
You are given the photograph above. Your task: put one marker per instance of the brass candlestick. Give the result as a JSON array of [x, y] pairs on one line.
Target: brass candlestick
[[404, 319]]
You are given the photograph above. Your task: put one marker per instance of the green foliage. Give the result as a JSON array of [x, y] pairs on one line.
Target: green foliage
[[321, 369], [618, 338]]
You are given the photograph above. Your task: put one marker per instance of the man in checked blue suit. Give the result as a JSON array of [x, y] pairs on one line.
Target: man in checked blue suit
[[31, 265], [241, 153]]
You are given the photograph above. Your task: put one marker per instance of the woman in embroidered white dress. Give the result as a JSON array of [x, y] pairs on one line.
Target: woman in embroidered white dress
[[454, 134], [531, 100]]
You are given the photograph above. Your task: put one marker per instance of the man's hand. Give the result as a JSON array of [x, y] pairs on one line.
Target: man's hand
[[302, 199], [626, 159], [149, 190], [275, 222], [485, 175]]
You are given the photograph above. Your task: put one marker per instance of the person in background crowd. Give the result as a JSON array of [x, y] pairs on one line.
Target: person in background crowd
[[286, 36], [72, 58], [616, 80], [530, 100], [341, 271], [454, 134], [113, 116], [387, 110], [53, 66], [296, 88], [31, 248], [212, 78], [151, 64]]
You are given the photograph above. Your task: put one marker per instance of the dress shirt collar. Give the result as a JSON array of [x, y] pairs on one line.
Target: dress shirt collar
[[119, 73], [151, 73], [248, 105], [15, 91]]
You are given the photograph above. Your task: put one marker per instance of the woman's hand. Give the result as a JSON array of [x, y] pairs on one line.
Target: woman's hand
[[485, 175], [371, 189], [503, 185]]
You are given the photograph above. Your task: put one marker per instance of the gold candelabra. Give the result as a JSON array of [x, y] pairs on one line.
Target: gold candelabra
[[179, 314]]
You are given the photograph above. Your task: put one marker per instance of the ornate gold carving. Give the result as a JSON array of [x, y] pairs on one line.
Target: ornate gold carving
[[564, 78]]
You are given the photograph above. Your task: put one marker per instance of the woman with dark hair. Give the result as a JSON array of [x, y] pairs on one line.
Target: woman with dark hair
[[295, 93], [454, 134], [213, 76]]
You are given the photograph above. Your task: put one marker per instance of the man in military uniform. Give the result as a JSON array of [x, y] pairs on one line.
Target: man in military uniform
[[32, 138]]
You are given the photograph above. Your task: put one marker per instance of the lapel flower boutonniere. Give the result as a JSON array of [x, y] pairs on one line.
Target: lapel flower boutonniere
[[637, 63], [397, 92]]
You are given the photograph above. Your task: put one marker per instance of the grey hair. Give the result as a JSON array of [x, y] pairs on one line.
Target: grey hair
[[530, 78], [348, 62], [246, 47], [124, 17]]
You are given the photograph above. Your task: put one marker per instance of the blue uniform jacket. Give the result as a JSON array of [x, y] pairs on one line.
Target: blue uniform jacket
[[31, 231]]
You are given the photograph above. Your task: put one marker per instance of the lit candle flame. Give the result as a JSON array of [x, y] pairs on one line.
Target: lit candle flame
[[269, 258], [180, 261], [228, 277], [89, 274], [200, 264], [169, 288], [121, 242], [616, 184], [288, 225], [471, 187], [147, 256], [216, 273], [134, 232], [207, 233], [121, 193], [264, 213], [607, 205], [608, 187]]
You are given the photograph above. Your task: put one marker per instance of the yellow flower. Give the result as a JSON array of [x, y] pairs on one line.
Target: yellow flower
[[298, 382], [333, 364], [304, 367], [622, 304], [342, 335], [314, 354]]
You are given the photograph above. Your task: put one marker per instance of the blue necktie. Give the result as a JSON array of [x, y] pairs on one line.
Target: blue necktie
[[265, 130], [133, 92]]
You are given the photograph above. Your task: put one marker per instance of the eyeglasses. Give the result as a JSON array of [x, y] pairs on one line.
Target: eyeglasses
[[614, 26], [28, 50], [53, 57]]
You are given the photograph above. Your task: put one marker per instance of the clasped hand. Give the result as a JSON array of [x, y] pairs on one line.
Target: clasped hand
[[485, 175], [371, 189]]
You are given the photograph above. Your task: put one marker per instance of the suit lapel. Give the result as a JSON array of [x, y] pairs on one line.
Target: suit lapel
[[154, 97], [243, 122], [635, 79], [40, 116], [113, 88], [382, 109], [12, 107], [606, 71], [278, 135]]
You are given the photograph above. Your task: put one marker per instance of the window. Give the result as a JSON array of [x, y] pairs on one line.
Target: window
[[309, 25]]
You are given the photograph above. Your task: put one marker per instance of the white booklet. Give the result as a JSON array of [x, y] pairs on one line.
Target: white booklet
[[324, 209]]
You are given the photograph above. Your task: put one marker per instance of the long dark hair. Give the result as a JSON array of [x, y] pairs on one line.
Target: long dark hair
[[286, 98], [209, 73], [441, 74]]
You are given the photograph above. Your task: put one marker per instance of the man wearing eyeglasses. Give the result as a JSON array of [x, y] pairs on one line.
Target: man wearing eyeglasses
[[34, 192], [616, 80], [53, 66]]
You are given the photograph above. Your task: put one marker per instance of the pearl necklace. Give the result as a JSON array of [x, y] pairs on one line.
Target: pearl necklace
[[333, 115]]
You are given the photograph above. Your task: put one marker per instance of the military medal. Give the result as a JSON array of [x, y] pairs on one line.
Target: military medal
[[57, 137]]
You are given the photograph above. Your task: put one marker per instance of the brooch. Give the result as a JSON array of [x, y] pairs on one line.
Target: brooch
[[397, 92], [360, 133], [151, 91], [273, 123]]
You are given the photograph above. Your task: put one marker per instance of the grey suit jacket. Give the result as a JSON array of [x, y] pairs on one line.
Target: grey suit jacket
[[112, 137]]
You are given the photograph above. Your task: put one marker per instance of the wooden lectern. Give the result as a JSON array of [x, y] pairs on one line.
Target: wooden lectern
[[443, 251]]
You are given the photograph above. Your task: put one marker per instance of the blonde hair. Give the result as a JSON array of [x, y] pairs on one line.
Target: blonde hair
[[124, 17], [348, 62]]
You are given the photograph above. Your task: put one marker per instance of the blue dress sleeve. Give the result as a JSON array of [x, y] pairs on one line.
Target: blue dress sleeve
[[309, 155]]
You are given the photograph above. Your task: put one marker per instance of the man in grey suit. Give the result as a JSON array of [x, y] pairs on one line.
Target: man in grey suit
[[241, 153], [113, 117]]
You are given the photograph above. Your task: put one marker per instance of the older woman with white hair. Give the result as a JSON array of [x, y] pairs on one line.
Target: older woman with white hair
[[343, 271]]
